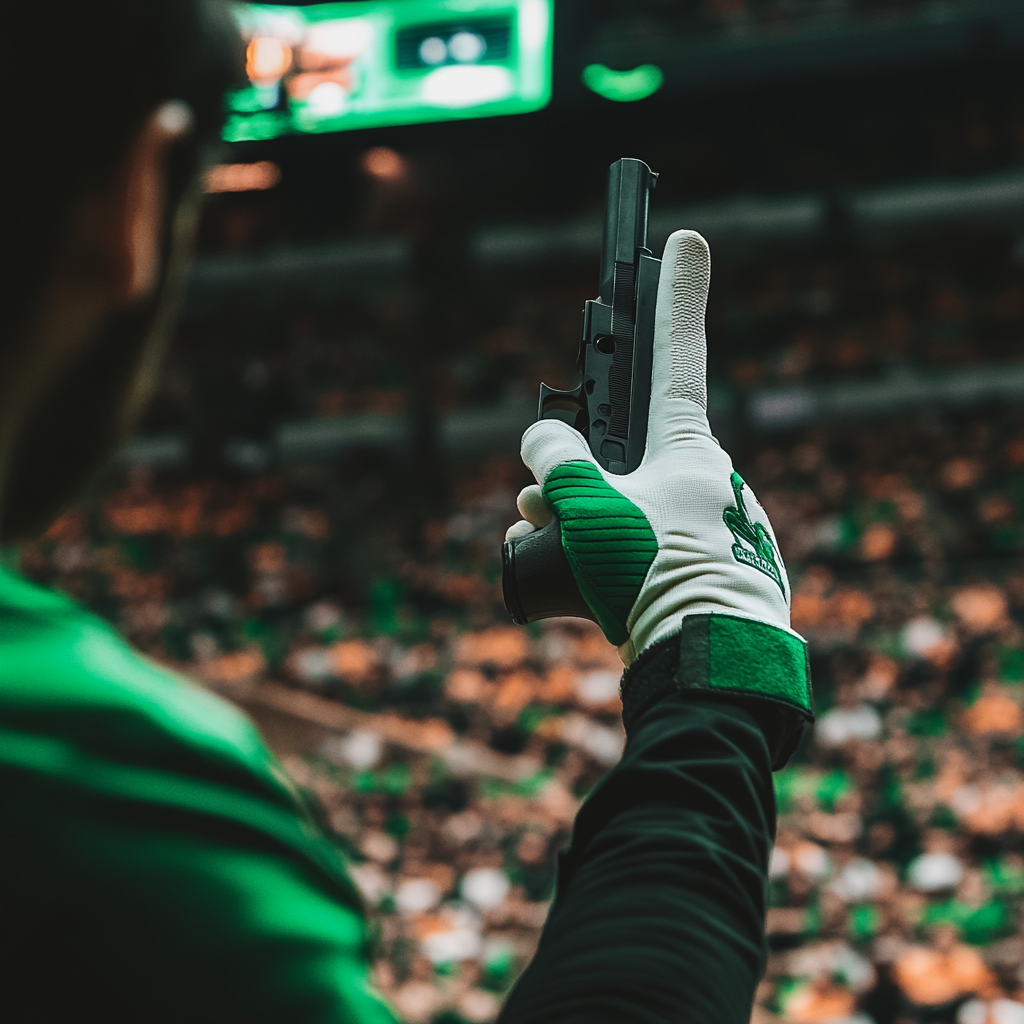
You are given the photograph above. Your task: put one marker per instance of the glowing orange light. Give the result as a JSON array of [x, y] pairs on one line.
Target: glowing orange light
[[384, 163], [267, 59], [301, 85], [241, 177]]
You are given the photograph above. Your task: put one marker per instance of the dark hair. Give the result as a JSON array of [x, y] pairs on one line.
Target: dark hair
[[79, 77]]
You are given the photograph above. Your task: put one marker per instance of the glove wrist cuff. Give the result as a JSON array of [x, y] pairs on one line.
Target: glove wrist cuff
[[742, 660]]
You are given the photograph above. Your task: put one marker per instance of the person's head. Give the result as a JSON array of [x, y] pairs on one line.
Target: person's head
[[110, 106]]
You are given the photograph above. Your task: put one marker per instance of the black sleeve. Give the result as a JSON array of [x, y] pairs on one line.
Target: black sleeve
[[659, 912]]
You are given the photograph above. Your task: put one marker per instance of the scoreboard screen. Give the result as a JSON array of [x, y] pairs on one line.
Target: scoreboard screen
[[330, 67]]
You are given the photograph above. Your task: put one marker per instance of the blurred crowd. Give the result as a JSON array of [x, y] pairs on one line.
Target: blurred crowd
[[447, 751], [897, 877], [244, 371], [859, 313], [454, 749], [813, 315]]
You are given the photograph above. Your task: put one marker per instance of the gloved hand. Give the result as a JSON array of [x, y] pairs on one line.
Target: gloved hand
[[681, 543]]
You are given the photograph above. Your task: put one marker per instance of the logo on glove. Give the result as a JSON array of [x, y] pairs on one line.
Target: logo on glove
[[760, 554]]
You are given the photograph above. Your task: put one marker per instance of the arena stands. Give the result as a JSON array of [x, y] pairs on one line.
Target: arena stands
[[448, 750], [311, 524], [353, 605], [816, 313]]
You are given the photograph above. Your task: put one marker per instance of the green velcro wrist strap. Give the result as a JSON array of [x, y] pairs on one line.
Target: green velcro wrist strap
[[759, 667], [729, 654]]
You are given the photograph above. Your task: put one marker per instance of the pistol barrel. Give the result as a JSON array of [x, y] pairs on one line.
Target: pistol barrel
[[625, 228], [610, 406]]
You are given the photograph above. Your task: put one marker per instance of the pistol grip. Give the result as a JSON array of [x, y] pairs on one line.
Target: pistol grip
[[536, 580]]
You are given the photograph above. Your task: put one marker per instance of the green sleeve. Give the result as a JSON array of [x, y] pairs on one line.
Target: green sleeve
[[156, 865], [155, 917]]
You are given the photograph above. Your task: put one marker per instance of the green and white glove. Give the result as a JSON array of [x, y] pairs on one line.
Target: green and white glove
[[681, 544]]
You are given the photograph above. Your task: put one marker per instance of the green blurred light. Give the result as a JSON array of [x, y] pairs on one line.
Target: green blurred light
[[623, 86]]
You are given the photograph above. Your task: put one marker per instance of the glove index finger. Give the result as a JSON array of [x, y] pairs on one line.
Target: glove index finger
[[551, 443], [680, 344]]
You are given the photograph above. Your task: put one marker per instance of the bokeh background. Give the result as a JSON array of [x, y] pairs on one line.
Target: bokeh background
[[310, 519]]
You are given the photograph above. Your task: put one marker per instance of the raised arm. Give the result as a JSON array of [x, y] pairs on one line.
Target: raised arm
[[660, 903]]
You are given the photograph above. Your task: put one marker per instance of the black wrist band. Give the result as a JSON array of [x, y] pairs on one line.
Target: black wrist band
[[667, 668]]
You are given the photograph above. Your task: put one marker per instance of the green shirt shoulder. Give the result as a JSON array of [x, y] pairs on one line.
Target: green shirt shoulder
[[156, 838], [61, 666]]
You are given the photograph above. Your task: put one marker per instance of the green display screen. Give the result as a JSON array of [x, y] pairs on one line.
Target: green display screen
[[332, 67]]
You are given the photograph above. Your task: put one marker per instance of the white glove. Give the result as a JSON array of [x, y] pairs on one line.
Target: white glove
[[682, 535]]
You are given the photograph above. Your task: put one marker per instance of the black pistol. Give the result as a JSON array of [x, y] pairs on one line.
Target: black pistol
[[610, 406]]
